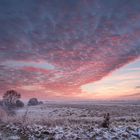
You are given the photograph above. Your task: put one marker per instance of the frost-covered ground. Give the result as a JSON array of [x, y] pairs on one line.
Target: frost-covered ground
[[74, 121]]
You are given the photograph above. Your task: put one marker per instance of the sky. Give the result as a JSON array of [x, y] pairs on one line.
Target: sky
[[70, 49]]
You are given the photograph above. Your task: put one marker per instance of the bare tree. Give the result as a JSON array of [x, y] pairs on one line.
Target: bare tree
[[10, 98]]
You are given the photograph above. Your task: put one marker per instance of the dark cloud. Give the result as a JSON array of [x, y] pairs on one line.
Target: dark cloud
[[83, 40]]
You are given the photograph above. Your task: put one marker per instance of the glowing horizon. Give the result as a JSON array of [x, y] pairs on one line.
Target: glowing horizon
[[70, 49], [123, 84]]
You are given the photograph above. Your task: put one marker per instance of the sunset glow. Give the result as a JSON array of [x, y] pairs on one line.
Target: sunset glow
[[70, 49], [121, 84]]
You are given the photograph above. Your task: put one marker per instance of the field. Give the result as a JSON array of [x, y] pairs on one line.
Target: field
[[73, 121]]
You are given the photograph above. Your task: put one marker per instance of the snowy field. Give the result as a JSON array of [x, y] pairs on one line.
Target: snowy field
[[73, 121]]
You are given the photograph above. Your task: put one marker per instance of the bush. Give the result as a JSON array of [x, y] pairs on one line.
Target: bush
[[33, 102], [106, 121], [19, 103]]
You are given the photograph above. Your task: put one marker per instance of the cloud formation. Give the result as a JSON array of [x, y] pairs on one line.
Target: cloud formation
[[82, 41]]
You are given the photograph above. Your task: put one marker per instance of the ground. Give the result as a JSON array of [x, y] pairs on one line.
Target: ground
[[74, 121]]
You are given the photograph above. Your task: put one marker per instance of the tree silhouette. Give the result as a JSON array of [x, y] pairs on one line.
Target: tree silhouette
[[33, 101], [19, 103], [10, 98]]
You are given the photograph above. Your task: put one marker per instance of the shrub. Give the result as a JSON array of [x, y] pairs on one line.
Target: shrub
[[19, 103], [106, 121], [33, 102]]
